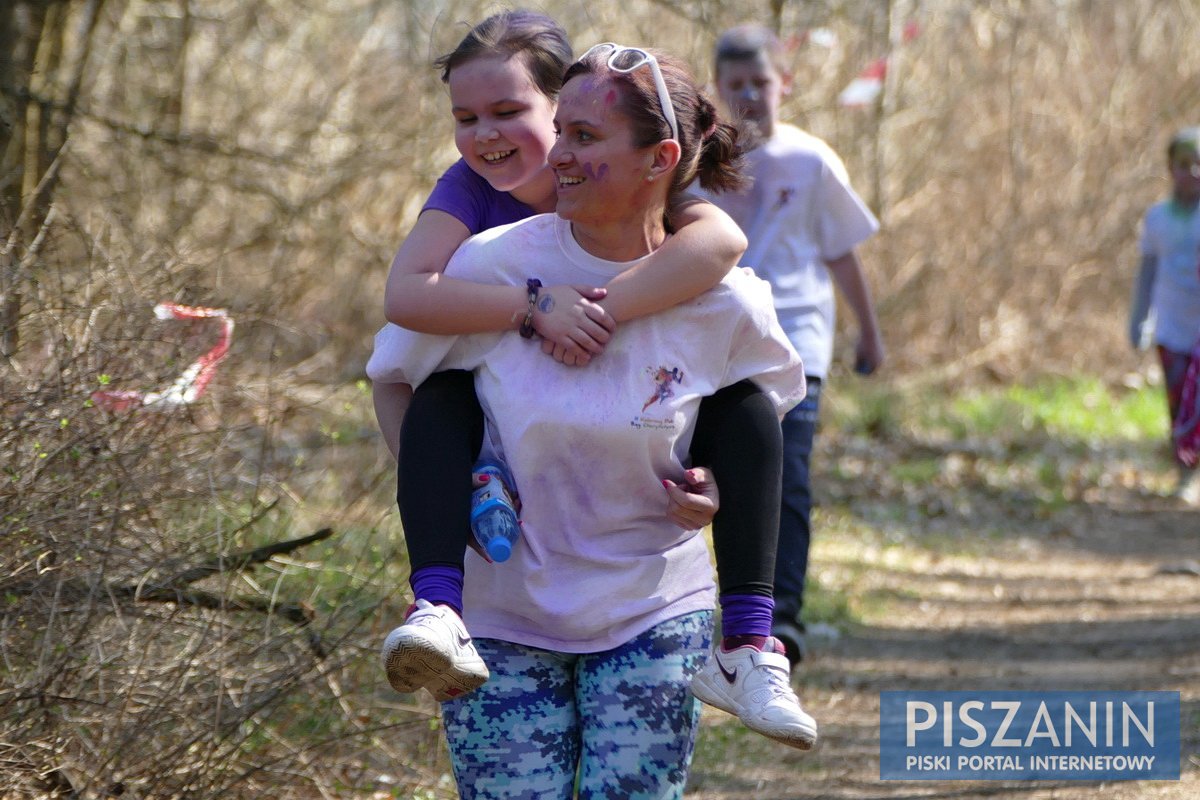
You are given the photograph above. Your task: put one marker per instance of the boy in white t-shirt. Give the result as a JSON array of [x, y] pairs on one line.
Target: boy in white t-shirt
[[803, 221]]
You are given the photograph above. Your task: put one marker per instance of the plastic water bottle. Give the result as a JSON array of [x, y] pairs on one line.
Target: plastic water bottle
[[493, 517]]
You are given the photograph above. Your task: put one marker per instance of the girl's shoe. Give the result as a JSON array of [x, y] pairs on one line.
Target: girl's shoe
[[432, 650], [755, 686]]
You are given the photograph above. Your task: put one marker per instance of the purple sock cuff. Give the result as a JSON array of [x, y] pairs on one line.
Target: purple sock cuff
[[439, 584], [746, 615]]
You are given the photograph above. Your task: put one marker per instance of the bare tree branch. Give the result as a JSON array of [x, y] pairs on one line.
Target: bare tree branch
[[239, 561], [177, 589]]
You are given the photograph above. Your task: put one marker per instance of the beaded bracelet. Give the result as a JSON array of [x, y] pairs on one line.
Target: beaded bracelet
[[531, 286]]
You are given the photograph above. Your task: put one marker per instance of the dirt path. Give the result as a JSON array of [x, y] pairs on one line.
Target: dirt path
[[1100, 595]]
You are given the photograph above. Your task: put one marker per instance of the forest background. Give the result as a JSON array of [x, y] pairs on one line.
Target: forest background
[[191, 597]]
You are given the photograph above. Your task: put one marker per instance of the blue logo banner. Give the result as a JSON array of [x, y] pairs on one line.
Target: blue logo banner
[[1013, 735]]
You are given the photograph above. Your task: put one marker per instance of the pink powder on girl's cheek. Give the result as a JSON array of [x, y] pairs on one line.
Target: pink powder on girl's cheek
[[610, 99], [595, 174]]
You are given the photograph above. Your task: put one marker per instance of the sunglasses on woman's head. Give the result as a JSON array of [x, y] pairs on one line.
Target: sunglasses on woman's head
[[627, 59]]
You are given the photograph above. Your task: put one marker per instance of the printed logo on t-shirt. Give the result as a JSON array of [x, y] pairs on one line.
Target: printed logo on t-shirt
[[664, 380], [785, 197]]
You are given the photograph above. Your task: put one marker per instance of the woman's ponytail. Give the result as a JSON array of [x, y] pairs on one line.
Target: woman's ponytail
[[719, 168]]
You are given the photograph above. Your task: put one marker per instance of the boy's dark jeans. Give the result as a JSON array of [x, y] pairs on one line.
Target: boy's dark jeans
[[791, 563]]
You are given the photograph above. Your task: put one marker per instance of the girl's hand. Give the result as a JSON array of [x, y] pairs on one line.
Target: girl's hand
[[574, 357], [694, 503], [572, 326]]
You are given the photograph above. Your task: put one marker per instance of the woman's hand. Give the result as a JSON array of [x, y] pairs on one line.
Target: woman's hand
[[572, 326], [694, 503]]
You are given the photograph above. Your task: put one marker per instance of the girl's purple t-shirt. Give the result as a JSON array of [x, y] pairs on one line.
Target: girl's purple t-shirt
[[465, 195]]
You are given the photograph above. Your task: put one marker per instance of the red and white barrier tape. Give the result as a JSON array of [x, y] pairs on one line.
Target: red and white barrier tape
[[191, 383], [866, 86]]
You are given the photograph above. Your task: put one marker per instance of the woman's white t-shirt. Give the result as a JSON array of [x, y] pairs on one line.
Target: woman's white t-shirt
[[598, 561]]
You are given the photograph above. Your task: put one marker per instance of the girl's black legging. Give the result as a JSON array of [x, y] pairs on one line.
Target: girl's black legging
[[737, 436]]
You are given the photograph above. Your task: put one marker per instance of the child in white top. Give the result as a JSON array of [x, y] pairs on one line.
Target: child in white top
[[1166, 296], [803, 221]]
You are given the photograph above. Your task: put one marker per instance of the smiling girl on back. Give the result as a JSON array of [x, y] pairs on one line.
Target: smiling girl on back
[[504, 79]]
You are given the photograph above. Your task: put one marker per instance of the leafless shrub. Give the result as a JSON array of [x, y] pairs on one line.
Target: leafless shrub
[[152, 640], [168, 625]]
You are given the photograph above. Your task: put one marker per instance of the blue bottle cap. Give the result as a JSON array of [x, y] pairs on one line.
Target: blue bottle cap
[[499, 549]]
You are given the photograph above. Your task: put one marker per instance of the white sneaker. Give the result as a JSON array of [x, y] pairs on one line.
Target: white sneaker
[[1187, 490], [433, 650], [755, 686]]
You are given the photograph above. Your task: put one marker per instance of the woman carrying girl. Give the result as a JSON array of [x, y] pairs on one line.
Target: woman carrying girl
[[595, 628], [504, 79]]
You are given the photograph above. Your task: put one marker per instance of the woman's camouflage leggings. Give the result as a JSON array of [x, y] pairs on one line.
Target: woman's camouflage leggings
[[622, 722]]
